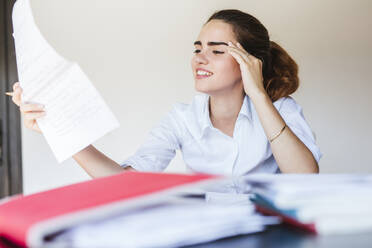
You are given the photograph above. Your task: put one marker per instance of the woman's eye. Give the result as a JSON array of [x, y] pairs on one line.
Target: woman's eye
[[215, 52]]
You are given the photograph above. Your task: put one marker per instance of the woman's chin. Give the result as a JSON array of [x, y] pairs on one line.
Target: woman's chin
[[202, 88], [207, 91], [203, 85]]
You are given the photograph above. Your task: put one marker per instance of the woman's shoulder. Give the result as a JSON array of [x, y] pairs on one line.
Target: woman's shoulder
[[287, 105], [190, 116], [195, 107], [183, 116]]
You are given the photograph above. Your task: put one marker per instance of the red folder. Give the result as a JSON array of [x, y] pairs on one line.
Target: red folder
[[286, 219], [27, 220]]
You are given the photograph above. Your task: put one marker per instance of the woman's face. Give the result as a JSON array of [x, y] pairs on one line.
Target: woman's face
[[215, 70]]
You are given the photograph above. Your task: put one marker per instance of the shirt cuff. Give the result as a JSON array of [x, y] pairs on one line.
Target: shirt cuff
[[139, 164]]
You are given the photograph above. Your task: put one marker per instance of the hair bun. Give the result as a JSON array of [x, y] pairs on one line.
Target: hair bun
[[283, 79]]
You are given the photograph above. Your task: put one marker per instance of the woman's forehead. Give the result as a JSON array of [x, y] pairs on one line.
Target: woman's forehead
[[216, 30]]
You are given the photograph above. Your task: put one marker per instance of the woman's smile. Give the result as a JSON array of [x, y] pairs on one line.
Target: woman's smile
[[203, 73]]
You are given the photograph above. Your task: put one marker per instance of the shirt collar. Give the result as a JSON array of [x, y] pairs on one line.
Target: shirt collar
[[246, 109], [206, 121]]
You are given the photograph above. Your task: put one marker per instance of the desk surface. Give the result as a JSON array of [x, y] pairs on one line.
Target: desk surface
[[284, 236]]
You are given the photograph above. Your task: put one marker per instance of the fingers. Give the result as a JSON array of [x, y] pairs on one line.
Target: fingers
[[238, 57], [15, 85], [25, 108], [30, 122], [33, 115], [30, 113], [240, 48], [17, 91], [248, 58], [244, 54]]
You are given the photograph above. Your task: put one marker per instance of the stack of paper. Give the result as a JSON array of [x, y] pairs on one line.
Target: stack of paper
[[173, 223], [130, 209], [326, 204]]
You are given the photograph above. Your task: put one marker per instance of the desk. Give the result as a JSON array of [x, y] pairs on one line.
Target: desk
[[283, 236]]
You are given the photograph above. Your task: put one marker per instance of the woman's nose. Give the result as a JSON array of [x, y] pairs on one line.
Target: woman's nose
[[201, 58]]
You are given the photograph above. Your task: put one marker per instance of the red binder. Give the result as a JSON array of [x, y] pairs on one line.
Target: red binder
[[27, 220], [286, 219]]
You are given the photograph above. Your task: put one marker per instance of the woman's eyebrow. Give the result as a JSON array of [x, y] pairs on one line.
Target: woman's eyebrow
[[211, 43]]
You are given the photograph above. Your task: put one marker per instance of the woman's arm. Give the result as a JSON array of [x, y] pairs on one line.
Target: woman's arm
[[96, 164], [290, 153]]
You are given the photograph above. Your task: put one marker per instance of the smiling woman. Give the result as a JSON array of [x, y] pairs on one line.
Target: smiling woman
[[231, 128], [279, 70], [244, 120]]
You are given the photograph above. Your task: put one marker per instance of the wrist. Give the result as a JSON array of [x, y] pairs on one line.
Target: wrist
[[259, 96]]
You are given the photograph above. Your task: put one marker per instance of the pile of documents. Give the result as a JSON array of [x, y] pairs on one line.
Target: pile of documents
[[131, 209], [324, 204], [179, 221]]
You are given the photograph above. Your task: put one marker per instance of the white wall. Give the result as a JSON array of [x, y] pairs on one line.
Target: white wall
[[137, 55]]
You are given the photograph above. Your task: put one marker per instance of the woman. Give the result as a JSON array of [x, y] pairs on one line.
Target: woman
[[244, 121]]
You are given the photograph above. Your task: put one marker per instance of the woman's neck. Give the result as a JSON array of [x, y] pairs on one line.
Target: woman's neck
[[225, 108]]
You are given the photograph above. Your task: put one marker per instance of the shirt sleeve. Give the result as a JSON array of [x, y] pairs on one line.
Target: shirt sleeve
[[293, 116], [160, 146]]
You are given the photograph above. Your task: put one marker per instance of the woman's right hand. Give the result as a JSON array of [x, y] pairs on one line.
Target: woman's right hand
[[95, 163], [29, 111]]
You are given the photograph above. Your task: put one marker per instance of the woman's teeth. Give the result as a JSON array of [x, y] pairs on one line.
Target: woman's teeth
[[203, 73]]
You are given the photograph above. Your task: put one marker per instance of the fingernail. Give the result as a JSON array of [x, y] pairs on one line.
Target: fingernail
[[230, 43]]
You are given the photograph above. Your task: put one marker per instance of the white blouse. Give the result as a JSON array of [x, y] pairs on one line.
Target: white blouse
[[205, 149]]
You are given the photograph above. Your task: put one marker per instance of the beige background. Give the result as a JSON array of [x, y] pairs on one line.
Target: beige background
[[137, 54]]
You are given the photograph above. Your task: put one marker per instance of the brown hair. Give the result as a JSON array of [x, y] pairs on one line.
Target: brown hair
[[279, 69]]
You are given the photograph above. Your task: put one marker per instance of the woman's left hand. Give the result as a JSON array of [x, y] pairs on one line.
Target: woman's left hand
[[251, 69]]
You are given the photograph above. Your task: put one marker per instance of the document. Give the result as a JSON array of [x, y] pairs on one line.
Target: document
[[173, 223], [330, 203], [76, 114]]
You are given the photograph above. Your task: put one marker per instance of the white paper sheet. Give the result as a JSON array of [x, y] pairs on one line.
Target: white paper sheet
[[172, 224], [76, 114], [334, 203]]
